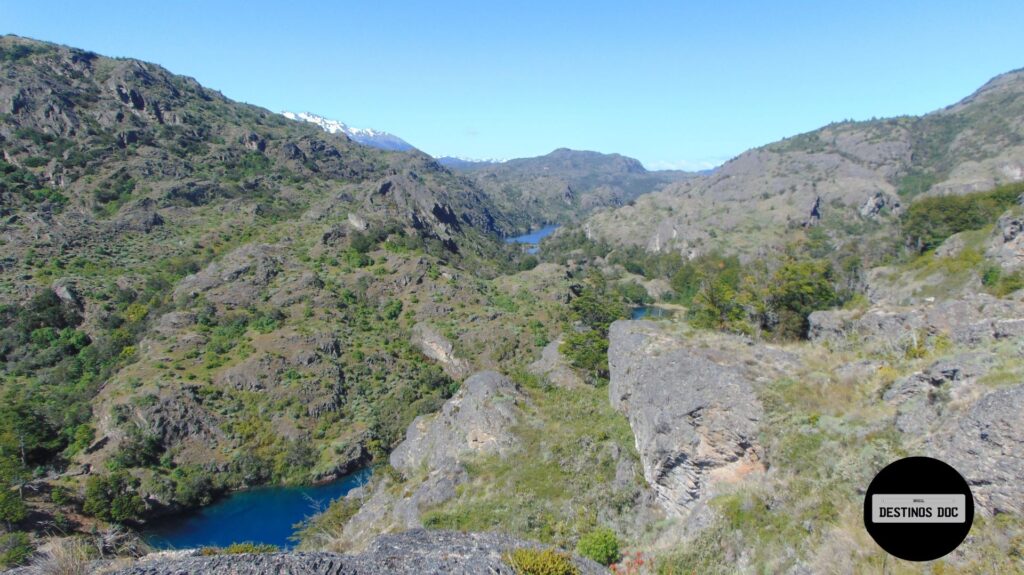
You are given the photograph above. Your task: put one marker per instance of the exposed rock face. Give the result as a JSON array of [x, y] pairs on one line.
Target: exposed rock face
[[235, 280], [553, 366], [876, 203], [969, 320], [1007, 243], [436, 347], [693, 411], [922, 397], [986, 444], [416, 552], [477, 420]]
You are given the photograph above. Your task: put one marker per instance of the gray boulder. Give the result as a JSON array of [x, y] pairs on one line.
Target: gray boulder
[[693, 412], [922, 398], [438, 348], [553, 367], [477, 420], [1007, 243], [237, 279], [986, 445]]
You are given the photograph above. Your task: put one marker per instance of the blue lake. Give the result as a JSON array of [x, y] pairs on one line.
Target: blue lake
[[649, 312], [533, 238], [263, 515]]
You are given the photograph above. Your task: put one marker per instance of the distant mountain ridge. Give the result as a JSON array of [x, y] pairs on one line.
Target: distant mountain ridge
[[461, 163], [365, 136], [565, 185], [842, 175]]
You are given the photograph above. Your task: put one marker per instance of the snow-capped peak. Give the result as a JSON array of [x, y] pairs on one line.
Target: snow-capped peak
[[365, 136]]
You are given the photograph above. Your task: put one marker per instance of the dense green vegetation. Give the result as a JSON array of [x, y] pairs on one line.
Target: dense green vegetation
[[15, 548], [929, 221], [113, 498]]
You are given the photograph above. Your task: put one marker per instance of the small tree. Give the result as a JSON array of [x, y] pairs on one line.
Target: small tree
[[586, 346], [12, 507], [717, 306], [113, 498], [799, 288]]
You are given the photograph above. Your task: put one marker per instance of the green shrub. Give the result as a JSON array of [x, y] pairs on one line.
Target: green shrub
[[716, 305], [528, 263], [328, 523], [392, 309], [113, 498], [1000, 284], [601, 545], [140, 448], [528, 561], [239, 548], [15, 549], [595, 308]]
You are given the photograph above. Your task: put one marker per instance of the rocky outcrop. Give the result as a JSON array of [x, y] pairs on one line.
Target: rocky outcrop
[[237, 279], [1006, 246], [923, 397], [438, 348], [553, 367], [477, 420], [986, 445], [968, 320], [416, 552], [693, 410], [874, 205]]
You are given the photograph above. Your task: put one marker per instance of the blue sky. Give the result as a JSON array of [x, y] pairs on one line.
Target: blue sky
[[674, 84]]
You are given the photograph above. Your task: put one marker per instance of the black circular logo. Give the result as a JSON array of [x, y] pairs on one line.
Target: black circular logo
[[918, 508]]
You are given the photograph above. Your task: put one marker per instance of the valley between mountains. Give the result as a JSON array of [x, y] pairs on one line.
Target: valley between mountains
[[201, 296]]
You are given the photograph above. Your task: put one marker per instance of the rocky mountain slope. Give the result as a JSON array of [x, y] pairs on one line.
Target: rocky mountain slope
[[565, 185], [109, 153], [848, 176], [220, 296]]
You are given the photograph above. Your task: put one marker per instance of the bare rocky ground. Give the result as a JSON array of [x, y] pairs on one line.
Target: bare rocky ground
[[414, 552]]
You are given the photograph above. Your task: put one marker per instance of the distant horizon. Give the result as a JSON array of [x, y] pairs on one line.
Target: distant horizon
[[683, 87]]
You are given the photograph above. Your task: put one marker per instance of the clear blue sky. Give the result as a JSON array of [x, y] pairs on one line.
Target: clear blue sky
[[683, 84]]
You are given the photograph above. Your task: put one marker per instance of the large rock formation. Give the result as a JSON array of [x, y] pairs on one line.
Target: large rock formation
[[986, 445], [968, 320], [693, 409], [1007, 243], [477, 420]]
